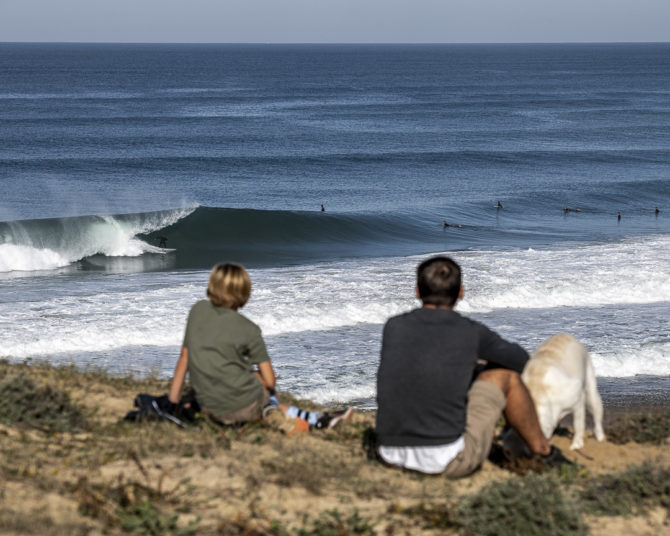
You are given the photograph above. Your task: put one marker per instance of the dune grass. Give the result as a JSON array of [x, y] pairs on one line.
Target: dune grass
[[651, 428], [635, 490], [53, 442], [44, 407]]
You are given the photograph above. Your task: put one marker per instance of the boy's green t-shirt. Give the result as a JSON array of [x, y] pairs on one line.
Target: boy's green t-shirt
[[222, 348]]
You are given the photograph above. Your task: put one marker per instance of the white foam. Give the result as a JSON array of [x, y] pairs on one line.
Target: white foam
[[99, 321], [25, 258], [622, 362], [79, 316], [338, 394], [82, 237], [630, 272]]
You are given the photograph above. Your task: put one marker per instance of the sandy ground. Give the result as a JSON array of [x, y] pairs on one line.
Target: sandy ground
[[248, 481]]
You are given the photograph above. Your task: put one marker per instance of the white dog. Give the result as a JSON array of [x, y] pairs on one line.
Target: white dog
[[561, 380]]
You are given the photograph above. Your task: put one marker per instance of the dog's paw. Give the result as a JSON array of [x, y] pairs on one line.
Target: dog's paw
[[577, 443]]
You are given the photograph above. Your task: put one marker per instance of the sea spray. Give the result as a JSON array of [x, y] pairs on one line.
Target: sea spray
[[32, 245]]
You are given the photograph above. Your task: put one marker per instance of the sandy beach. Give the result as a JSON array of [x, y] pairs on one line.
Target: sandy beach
[[100, 475]]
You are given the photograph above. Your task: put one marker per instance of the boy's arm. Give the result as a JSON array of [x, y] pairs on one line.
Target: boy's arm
[[179, 376], [266, 375]]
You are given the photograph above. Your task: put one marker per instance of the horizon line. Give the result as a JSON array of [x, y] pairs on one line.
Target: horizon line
[[349, 43]]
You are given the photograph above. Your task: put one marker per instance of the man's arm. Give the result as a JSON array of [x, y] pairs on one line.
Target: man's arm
[[494, 349]]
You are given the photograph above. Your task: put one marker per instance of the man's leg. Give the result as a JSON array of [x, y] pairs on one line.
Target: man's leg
[[519, 410]]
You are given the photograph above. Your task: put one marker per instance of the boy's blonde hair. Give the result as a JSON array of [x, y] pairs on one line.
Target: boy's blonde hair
[[229, 285]]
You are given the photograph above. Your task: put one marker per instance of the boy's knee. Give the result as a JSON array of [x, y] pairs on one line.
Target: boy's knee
[[504, 379]]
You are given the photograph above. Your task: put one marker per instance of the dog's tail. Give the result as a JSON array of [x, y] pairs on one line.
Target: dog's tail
[[593, 401]]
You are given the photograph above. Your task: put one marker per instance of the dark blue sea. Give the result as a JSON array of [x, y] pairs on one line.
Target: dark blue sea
[[127, 171]]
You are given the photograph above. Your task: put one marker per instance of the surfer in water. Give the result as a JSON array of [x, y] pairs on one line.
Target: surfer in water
[[656, 211], [162, 241], [323, 209], [445, 224], [618, 216], [499, 205]]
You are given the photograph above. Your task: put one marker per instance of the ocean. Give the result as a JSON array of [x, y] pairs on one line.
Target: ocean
[[128, 171]]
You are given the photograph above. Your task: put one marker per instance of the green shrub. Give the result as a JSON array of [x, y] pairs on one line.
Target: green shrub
[[432, 516], [38, 406], [530, 505], [631, 491], [332, 523], [652, 428]]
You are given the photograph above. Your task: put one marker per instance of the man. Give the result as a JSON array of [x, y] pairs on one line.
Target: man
[[432, 417]]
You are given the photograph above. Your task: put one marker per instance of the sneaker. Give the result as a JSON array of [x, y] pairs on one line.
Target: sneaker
[[331, 420], [270, 408], [555, 458]]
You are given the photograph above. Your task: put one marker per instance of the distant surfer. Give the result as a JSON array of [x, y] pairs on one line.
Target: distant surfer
[[444, 224], [566, 209], [323, 209], [656, 211], [162, 241], [499, 205], [618, 216]]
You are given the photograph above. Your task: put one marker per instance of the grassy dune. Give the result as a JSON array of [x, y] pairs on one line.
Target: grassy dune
[[69, 465]]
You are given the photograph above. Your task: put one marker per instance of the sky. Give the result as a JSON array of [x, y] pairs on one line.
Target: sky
[[335, 21]]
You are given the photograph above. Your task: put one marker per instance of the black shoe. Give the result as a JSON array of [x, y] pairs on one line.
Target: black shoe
[[555, 459], [330, 420]]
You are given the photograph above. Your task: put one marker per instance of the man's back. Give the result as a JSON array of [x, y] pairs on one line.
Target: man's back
[[427, 364]]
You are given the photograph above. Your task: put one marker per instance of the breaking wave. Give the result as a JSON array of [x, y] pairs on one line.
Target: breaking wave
[[46, 244], [198, 237]]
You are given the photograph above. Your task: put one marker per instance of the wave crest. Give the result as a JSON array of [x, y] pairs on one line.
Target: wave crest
[[199, 237], [32, 245]]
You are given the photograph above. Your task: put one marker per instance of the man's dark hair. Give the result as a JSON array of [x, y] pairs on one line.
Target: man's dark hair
[[439, 281]]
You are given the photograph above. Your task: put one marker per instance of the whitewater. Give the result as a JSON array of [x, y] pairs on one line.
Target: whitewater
[[34, 245], [320, 319]]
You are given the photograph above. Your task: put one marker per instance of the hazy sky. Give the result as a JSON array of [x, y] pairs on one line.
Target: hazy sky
[[339, 21]]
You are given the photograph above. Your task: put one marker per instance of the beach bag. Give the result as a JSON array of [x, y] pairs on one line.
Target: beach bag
[[150, 407]]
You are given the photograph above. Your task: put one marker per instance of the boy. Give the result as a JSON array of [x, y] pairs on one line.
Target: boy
[[437, 408], [225, 356]]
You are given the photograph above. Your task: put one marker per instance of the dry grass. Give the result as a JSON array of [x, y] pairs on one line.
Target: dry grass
[[642, 428], [636, 490], [105, 475]]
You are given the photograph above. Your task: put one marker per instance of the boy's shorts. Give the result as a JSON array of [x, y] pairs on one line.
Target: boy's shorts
[[252, 412], [485, 405]]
